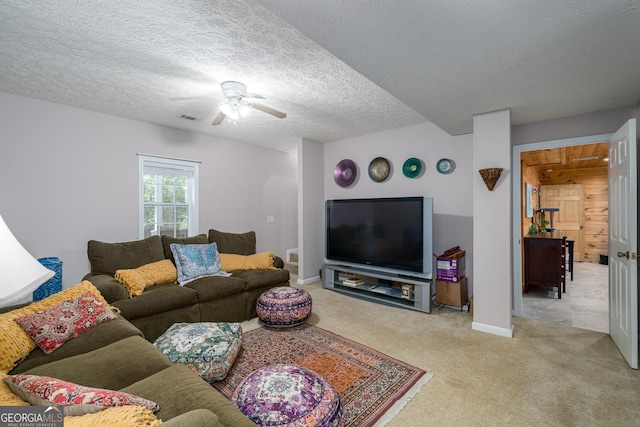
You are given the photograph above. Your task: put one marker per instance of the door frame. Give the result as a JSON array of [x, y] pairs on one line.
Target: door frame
[[516, 245]]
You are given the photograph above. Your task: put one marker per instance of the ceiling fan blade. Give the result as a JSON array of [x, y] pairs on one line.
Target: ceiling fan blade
[[253, 95], [219, 119], [268, 110], [187, 98]]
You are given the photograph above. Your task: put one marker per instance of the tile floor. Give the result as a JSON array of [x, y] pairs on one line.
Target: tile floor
[[585, 304]]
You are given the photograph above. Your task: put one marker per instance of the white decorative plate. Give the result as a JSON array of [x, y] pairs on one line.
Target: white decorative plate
[[445, 166]]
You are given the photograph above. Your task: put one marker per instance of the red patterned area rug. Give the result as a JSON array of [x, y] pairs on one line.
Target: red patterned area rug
[[373, 387]]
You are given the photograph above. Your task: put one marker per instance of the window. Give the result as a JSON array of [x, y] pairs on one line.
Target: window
[[168, 197]]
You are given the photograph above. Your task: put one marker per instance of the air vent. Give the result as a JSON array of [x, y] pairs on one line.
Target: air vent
[[582, 159], [186, 117]]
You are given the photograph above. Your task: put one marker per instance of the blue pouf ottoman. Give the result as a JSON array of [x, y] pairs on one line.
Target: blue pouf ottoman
[[207, 348], [287, 396], [283, 306]]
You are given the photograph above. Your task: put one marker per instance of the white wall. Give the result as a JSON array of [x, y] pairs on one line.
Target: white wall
[[310, 211], [452, 193], [492, 224], [598, 123], [70, 175]]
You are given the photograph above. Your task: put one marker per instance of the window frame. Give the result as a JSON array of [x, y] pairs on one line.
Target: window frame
[[191, 167]]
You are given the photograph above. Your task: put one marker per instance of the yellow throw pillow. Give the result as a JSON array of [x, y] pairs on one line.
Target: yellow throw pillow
[[117, 416], [15, 343], [261, 261], [159, 272], [132, 281], [7, 397], [136, 280]]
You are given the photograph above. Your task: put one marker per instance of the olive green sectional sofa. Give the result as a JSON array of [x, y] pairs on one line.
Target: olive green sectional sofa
[[115, 355], [119, 355], [207, 299]]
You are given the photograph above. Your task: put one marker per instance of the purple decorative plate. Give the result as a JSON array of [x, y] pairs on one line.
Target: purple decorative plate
[[345, 173]]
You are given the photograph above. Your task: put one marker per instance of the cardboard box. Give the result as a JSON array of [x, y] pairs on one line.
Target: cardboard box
[[450, 268], [452, 293]]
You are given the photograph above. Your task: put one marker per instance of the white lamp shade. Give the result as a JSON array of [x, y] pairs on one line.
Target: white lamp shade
[[20, 273]]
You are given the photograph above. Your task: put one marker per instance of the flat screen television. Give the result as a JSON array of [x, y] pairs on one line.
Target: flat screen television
[[392, 235]]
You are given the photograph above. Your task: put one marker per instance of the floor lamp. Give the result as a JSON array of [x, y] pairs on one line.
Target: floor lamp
[[20, 273]]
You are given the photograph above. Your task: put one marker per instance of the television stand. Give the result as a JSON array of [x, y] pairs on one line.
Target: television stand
[[384, 288]]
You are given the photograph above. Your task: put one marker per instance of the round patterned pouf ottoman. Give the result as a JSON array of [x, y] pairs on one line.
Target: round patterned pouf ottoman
[[284, 306], [288, 395]]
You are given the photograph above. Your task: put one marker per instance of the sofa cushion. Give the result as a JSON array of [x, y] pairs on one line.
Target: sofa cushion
[[196, 417], [177, 390], [75, 399], [234, 243], [261, 261], [95, 338], [15, 343], [193, 261], [200, 239], [157, 299], [106, 258], [113, 366], [216, 287], [255, 279], [136, 280], [52, 327]]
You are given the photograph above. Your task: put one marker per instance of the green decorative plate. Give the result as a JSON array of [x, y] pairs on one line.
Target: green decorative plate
[[412, 167]]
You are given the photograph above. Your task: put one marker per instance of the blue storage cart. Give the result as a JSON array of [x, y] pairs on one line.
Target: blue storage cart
[[52, 285]]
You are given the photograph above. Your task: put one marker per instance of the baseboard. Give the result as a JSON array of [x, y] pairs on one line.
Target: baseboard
[[508, 333], [307, 281]]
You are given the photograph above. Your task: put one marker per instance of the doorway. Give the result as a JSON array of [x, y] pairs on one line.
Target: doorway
[[553, 168]]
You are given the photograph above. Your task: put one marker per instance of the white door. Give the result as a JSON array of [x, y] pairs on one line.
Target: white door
[[623, 242]]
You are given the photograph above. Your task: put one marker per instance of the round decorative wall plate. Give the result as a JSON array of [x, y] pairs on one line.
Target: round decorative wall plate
[[345, 173], [412, 167], [379, 169], [445, 166]]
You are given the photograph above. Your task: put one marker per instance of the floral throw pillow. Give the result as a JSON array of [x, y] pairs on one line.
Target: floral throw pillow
[[194, 261], [58, 324], [75, 399]]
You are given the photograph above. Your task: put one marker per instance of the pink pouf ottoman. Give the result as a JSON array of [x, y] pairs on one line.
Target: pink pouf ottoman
[[287, 396], [284, 306]]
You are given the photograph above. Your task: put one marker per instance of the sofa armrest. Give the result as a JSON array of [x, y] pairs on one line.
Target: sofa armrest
[[278, 262], [110, 289], [196, 417]]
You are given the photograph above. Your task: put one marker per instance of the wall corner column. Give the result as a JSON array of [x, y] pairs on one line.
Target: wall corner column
[[492, 263]]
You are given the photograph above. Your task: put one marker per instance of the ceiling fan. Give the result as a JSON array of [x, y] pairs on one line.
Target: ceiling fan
[[235, 105]]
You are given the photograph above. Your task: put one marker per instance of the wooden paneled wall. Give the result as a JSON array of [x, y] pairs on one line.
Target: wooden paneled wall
[[596, 204]]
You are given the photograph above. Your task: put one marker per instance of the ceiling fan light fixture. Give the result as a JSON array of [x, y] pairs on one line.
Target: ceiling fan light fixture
[[243, 109], [227, 108], [235, 109]]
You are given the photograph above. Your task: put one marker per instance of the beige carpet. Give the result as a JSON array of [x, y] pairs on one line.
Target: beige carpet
[[548, 374]]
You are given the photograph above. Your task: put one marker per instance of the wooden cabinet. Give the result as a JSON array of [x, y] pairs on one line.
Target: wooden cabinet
[[544, 261]]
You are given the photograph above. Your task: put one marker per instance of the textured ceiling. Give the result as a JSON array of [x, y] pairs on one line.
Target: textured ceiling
[[451, 59], [437, 60], [129, 60]]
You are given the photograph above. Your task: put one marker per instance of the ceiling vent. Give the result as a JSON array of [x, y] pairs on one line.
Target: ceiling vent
[[186, 117]]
